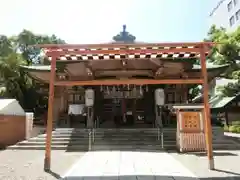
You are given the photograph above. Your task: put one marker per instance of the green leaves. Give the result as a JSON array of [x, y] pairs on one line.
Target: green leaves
[[16, 51], [226, 52]]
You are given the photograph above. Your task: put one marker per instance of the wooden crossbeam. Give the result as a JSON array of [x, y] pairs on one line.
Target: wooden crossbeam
[[121, 51], [128, 81]]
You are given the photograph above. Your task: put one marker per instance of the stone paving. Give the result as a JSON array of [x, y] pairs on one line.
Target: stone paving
[[227, 164], [28, 165], [109, 165]]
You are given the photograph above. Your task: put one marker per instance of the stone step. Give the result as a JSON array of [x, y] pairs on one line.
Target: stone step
[[126, 148], [55, 147], [126, 143], [72, 133], [127, 131], [71, 129], [53, 143], [98, 140], [41, 139], [107, 139], [64, 136], [130, 134]]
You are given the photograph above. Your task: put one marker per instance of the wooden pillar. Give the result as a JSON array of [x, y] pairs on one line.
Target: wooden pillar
[[123, 105], [207, 114], [135, 110], [47, 160], [226, 117]]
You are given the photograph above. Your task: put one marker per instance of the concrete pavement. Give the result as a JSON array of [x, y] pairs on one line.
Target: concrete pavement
[[110, 165]]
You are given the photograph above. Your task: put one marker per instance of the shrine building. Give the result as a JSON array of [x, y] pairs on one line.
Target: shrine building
[[120, 105], [130, 85]]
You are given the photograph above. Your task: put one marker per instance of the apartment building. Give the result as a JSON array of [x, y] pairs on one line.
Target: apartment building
[[226, 14]]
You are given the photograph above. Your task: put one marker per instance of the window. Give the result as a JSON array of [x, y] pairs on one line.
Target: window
[[232, 21], [230, 6], [235, 2], [237, 15]]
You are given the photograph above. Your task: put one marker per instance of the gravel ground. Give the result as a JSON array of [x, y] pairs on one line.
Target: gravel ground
[[28, 165]]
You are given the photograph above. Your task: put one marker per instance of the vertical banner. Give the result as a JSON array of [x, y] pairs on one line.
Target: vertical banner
[[29, 124]]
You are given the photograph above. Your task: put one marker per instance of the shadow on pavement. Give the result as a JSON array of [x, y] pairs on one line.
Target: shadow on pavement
[[221, 178], [145, 177], [228, 172], [53, 174], [201, 154]]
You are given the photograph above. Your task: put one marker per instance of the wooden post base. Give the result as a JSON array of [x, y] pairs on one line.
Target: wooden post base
[[211, 164], [47, 164]]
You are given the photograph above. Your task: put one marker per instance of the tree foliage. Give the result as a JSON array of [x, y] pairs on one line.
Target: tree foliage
[[227, 52], [14, 52]]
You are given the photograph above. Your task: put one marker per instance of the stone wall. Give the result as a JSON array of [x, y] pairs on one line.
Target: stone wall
[[12, 129]]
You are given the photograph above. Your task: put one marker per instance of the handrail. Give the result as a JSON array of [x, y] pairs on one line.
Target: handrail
[[91, 136], [162, 139], [160, 133], [90, 140]]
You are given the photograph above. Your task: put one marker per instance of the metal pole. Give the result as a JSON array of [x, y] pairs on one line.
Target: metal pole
[[162, 140], [90, 140], [93, 135]]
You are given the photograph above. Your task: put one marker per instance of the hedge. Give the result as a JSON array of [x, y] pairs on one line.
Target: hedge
[[233, 128]]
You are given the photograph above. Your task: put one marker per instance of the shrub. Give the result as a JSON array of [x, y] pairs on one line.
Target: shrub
[[238, 129], [226, 128], [234, 128]]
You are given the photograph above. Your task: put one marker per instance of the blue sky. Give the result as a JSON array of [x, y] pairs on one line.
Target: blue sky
[[96, 21]]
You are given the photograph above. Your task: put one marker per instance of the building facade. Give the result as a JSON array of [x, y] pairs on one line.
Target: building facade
[[226, 14]]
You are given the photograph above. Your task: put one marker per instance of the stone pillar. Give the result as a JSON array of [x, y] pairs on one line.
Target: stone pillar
[[90, 115], [89, 101], [159, 102]]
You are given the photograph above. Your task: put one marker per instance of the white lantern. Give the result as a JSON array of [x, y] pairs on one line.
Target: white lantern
[[89, 97], [159, 97]]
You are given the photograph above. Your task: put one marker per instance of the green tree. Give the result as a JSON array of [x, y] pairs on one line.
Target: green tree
[[226, 52], [14, 52], [25, 41]]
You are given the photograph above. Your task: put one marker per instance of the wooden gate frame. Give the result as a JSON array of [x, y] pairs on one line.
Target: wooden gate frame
[[201, 48]]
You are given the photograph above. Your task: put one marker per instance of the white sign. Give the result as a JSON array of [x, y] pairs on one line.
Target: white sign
[[76, 109], [89, 97], [129, 113], [159, 97]]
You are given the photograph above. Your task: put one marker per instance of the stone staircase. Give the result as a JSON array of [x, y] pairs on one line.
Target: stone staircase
[[141, 139], [147, 139], [127, 139], [62, 139]]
